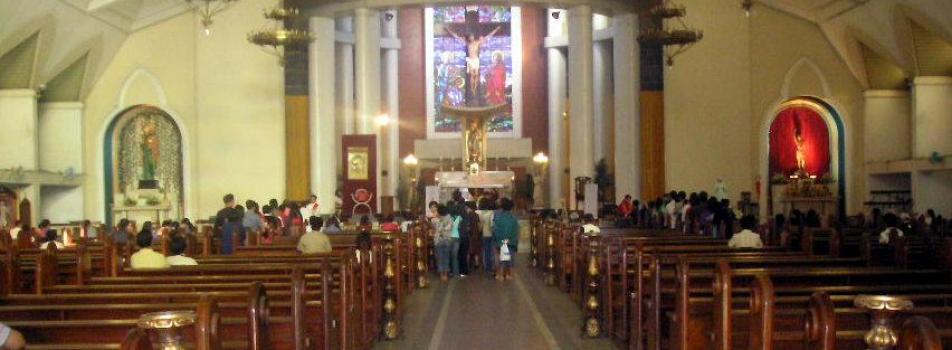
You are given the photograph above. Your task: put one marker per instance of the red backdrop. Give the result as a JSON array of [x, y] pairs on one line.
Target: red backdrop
[[783, 147]]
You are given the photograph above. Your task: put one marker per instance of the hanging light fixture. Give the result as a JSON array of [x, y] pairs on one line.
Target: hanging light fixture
[[278, 39], [208, 9], [748, 6], [676, 39]]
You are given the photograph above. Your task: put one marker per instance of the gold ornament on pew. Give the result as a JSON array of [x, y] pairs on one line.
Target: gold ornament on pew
[[167, 329], [592, 326], [882, 308]]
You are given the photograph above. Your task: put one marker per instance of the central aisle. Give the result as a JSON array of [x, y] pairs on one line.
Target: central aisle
[[480, 313]]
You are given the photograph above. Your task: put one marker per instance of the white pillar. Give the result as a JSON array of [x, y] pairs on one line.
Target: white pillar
[[367, 68], [345, 80], [391, 77], [18, 120], [888, 116], [600, 90], [323, 138], [581, 99], [557, 89], [627, 71]]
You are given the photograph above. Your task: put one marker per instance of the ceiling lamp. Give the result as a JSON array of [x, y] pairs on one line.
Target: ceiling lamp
[[278, 40], [748, 6], [208, 9], [675, 40]]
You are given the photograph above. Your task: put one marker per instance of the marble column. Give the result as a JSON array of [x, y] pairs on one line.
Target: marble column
[[627, 70], [322, 121], [557, 90], [391, 92], [581, 99], [366, 68]]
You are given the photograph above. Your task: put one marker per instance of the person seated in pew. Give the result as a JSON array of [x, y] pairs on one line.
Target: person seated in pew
[[10, 339], [746, 238], [363, 234], [146, 258], [122, 232], [408, 220], [272, 228], [332, 226], [590, 228], [39, 234], [17, 228], [389, 224], [177, 248], [625, 207], [51, 239], [892, 228], [315, 241]]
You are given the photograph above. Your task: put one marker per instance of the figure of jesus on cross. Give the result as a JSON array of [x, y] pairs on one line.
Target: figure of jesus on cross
[[473, 46]]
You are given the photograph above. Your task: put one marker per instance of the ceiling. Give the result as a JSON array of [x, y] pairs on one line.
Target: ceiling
[[887, 29], [130, 15]]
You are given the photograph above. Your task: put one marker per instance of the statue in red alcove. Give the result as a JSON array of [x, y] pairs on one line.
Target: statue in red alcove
[[801, 148]]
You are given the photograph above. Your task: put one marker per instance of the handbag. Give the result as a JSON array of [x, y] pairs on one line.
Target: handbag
[[504, 254]]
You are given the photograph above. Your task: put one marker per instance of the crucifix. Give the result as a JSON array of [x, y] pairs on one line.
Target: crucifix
[[474, 35]]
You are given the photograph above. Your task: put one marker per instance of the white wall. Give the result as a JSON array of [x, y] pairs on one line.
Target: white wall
[[61, 204], [18, 120], [720, 93], [61, 136], [932, 116], [931, 190], [226, 94], [888, 120], [708, 125]]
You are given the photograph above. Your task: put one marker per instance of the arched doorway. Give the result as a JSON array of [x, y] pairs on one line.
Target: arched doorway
[[143, 165], [804, 164]]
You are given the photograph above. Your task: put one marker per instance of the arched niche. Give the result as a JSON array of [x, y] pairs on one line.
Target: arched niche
[[822, 146], [143, 165]]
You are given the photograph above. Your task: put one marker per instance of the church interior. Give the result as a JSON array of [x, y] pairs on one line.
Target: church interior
[[487, 174]]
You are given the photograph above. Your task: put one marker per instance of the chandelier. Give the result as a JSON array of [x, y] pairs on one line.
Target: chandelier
[[675, 39], [278, 40], [208, 9]]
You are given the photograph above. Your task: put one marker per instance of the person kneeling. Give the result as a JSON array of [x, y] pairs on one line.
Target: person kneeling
[[146, 258], [314, 242], [746, 238], [177, 248]]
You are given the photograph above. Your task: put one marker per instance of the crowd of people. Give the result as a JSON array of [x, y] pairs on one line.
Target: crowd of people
[[480, 232]]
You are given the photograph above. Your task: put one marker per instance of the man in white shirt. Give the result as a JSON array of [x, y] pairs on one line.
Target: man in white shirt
[[51, 239], [178, 258], [746, 238], [146, 258], [891, 222]]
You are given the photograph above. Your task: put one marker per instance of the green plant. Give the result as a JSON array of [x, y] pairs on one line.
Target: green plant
[[129, 202]]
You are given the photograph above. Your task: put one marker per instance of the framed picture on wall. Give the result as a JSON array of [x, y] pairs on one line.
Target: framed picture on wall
[[358, 163]]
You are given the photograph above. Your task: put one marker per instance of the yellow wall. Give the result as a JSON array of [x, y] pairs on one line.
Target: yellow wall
[[227, 94], [720, 93]]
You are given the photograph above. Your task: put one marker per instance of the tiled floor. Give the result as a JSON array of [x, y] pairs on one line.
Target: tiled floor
[[480, 313]]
